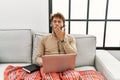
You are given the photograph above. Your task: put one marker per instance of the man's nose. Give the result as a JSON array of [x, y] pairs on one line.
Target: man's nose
[[57, 23]]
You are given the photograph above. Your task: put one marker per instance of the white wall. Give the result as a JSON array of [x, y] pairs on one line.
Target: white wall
[[24, 14]]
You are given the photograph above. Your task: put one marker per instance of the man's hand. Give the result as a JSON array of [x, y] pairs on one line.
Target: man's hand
[[59, 33]]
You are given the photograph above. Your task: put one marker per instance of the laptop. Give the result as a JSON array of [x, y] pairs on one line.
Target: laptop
[[58, 62]]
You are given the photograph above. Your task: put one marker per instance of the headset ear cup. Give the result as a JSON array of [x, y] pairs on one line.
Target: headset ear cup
[[50, 24]]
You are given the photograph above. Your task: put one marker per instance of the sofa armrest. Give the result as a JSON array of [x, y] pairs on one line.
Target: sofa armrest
[[107, 64]]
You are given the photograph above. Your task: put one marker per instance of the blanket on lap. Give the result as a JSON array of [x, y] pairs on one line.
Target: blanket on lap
[[17, 73], [91, 75], [49, 76]]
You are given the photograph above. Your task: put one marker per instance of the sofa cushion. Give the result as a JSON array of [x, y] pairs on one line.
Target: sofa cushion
[[15, 45], [36, 39], [83, 68], [86, 46]]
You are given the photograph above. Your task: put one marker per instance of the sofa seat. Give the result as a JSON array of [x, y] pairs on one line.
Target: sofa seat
[[3, 66], [85, 68]]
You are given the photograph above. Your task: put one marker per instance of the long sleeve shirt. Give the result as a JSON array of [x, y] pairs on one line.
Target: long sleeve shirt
[[49, 45]]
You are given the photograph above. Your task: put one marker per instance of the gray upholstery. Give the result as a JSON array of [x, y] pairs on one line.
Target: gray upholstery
[[86, 49], [86, 46], [108, 65], [15, 49], [15, 45], [36, 39]]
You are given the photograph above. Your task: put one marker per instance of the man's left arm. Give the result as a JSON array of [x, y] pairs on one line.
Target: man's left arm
[[69, 46]]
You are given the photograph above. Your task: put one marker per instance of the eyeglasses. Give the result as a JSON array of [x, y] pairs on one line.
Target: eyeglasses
[[57, 21]]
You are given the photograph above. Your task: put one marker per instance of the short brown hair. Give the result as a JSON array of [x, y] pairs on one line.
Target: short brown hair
[[58, 15]]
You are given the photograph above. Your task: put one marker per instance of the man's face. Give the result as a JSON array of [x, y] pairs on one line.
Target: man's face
[[57, 22]]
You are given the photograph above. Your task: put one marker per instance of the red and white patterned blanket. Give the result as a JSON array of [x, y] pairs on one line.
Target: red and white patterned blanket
[[17, 73]]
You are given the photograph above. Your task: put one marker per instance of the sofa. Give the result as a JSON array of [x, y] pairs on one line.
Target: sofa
[[18, 48]]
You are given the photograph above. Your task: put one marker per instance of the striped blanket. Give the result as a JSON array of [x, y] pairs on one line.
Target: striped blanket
[[91, 75], [17, 73]]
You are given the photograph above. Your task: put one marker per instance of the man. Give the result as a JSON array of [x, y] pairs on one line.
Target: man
[[58, 42]]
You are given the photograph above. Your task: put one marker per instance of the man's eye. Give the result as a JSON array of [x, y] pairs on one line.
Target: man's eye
[[59, 21], [54, 21]]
